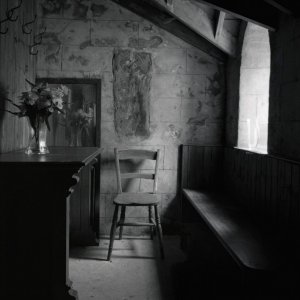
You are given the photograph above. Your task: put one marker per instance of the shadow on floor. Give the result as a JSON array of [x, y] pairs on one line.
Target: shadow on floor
[[204, 271], [135, 272]]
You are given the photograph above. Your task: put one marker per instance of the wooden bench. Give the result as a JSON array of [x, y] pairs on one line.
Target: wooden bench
[[243, 240], [243, 225]]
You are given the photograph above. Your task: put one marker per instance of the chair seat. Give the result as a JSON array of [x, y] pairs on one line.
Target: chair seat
[[136, 199]]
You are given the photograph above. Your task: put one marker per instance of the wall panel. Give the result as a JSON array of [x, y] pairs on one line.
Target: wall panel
[[266, 185], [16, 65]]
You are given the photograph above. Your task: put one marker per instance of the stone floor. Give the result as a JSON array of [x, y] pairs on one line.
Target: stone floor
[[136, 271]]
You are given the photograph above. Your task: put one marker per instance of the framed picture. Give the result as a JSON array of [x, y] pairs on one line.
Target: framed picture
[[79, 125]]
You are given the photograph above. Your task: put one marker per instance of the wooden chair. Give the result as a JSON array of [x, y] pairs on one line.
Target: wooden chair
[[136, 199]]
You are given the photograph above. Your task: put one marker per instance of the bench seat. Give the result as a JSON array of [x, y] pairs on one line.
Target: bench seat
[[245, 241]]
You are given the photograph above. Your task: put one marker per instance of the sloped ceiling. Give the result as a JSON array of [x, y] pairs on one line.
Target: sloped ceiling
[[205, 21], [212, 25]]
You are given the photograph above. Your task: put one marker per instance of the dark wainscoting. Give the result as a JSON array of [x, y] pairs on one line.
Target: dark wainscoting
[[202, 166], [268, 186]]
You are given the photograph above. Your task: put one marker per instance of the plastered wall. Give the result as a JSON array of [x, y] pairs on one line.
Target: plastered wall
[[174, 92]]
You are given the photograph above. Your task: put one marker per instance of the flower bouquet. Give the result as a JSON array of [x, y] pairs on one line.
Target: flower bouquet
[[37, 105]]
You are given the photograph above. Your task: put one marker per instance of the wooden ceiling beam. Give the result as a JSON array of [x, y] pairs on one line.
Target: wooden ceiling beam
[[283, 6], [219, 23], [255, 11], [167, 22], [200, 21]]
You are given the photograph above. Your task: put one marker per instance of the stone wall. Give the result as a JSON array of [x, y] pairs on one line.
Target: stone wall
[[176, 91], [16, 65]]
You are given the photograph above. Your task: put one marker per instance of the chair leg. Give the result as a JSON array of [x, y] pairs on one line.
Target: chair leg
[[122, 219], [158, 228], [113, 231], [150, 221]]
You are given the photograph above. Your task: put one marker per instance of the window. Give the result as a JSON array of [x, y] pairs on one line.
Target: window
[[254, 90]]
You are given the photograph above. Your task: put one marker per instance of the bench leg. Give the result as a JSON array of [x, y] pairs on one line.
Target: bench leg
[[113, 231], [159, 230]]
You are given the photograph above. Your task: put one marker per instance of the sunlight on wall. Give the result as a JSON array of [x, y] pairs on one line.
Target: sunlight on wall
[[254, 90]]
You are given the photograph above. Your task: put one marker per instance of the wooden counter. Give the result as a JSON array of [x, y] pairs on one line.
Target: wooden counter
[[35, 216]]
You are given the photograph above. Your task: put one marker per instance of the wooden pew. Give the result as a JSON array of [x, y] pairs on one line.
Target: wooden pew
[[243, 240], [218, 183]]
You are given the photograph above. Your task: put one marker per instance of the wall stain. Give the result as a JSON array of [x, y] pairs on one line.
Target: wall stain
[[85, 44], [198, 121], [214, 86], [148, 28], [51, 38], [53, 6], [193, 132], [153, 42], [202, 61], [173, 132], [131, 88], [52, 59], [98, 9], [133, 43], [211, 104], [216, 83], [80, 10], [79, 59], [133, 25], [190, 93], [106, 42], [199, 108]]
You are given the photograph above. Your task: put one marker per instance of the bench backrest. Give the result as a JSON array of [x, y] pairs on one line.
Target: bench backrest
[[266, 185], [202, 166], [269, 187]]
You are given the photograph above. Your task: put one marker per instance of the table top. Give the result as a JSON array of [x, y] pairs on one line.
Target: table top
[[57, 155]]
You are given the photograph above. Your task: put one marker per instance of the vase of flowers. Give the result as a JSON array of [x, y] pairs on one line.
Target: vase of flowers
[[37, 105], [37, 140]]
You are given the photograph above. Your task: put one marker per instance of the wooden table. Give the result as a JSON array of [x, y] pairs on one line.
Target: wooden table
[[34, 221]]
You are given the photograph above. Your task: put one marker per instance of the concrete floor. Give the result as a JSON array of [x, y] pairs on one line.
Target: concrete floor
[[136, 271]]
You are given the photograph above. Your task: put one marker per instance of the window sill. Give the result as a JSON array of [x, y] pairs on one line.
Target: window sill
[[253, 150]]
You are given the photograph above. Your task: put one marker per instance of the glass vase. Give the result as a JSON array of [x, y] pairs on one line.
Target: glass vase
[[37, 142]]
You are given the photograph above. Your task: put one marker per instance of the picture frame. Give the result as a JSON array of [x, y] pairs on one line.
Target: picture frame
[[79, 125]]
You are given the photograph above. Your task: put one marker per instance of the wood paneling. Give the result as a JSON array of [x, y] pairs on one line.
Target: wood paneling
[[16, 65], [266, 185], [201, 166]]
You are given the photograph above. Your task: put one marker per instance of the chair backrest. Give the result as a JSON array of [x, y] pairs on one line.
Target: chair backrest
[[136, 154]]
